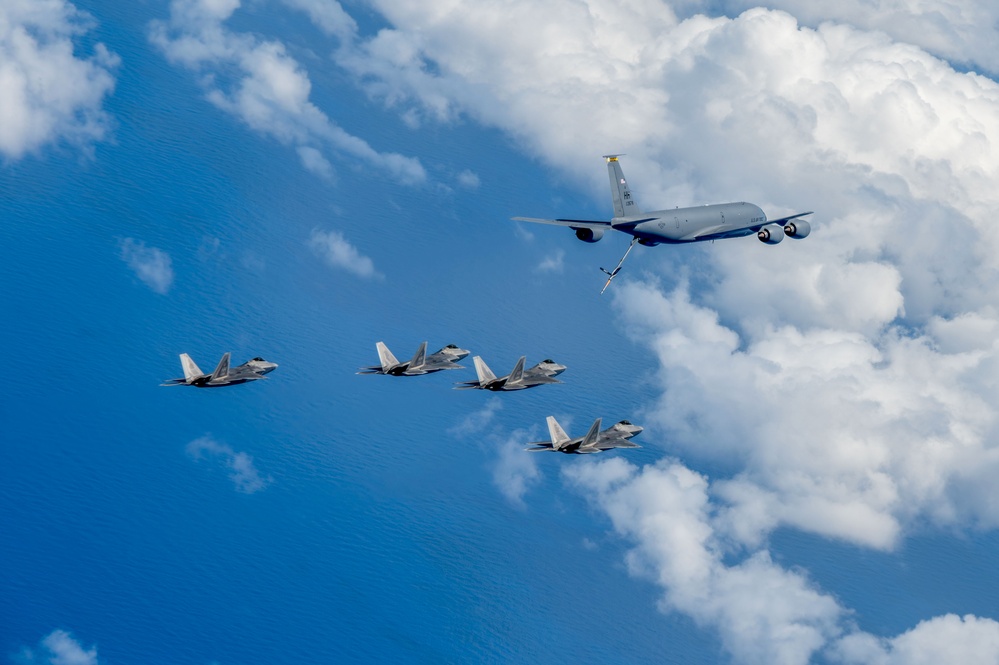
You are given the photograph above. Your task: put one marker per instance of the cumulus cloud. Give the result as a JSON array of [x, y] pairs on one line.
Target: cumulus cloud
[[240, 465], [258, 82], [151, 265], [316, 162], [58, 648], [333, 248], [328, 16], [554, 262], [515, 471], [468, 179], [48, 94], [836, 432], [764, 613], [477, 421], [961, 32]]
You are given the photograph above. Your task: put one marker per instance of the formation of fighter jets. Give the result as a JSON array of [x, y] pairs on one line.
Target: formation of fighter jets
[[680, 225]]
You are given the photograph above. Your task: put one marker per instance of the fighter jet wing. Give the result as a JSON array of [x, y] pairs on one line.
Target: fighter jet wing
[[536, 380], [609, 444], [571, 223]]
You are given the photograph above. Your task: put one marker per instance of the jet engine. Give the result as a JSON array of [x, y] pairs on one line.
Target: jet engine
[[589, 235], [771, 234], [797, 229]]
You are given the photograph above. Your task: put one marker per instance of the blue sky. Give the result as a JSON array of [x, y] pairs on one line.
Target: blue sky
[[301, 179]]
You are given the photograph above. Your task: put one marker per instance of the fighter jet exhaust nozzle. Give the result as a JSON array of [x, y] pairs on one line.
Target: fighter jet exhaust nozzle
[[797, 229], [589, 235], [771, 234]]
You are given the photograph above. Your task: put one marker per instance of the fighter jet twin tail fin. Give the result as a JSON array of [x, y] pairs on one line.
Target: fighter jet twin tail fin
[[191, 369], [559, 437], [588, 444], [222, 370], [385, 356], [485, 374], [419, 358]]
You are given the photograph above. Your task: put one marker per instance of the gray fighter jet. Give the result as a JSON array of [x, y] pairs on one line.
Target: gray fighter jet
[[519, 379], [421, 363], [595, 441], [680, 225], [251, 370]]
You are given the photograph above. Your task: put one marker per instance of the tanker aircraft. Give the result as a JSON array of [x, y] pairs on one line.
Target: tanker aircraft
[[251, 370], [519, 379], [421, 363], [680, 225], [595, 441]]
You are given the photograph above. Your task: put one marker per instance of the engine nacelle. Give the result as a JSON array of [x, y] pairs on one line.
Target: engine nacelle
[[589, 235], [797, 229], [771, 234]]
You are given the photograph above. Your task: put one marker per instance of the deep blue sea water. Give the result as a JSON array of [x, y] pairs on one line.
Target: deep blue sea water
[[381, 536]]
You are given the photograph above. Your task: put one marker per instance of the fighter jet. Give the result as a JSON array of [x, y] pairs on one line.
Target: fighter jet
[[519, 379], [595, 441], [421, 363], [251, 370], [680, 225]]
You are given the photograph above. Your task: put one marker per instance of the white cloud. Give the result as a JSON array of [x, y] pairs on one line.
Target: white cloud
[[764, 613], [515, 471], [836, 433], [327, 15], [943, 639], [554, 262], [964, 32], [468, 179], [240, 465], [314, 161], [58, 648], [151, 265], [47, 94], [477, 421], [338, 253], [259, 83]]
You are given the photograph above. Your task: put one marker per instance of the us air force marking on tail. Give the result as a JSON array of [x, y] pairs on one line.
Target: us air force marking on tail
[[680, 225]]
